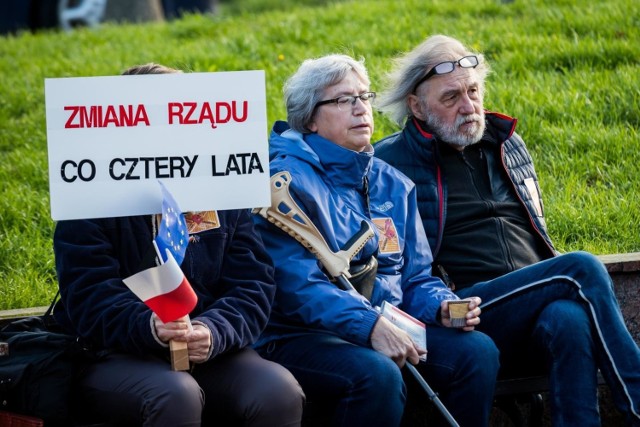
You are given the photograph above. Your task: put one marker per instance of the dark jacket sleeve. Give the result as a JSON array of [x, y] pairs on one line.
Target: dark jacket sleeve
[[95, 303]]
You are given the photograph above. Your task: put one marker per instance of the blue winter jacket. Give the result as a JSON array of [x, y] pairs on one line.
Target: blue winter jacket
[[227, 267], [414, 151], [327, 184]]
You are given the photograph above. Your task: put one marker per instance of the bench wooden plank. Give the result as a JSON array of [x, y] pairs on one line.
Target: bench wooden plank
[[17, 313]]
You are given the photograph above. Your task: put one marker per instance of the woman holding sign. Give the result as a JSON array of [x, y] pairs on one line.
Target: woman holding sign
[[132, 383], [336, 342]]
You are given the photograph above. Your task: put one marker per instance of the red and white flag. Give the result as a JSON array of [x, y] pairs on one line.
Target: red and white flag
[[164, 289]]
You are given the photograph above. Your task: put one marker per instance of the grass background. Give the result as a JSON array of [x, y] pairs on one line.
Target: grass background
[[568, 70]]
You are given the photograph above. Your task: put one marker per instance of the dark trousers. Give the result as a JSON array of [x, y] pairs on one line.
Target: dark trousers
[[367, 387], [230, 390], [561, 316]]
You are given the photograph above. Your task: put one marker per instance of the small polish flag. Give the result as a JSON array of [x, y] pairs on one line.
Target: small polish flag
[[164, 289]]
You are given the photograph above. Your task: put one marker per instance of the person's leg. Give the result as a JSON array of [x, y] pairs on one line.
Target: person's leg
[[242, 388], [462, 367], [367, 385], [131, 391], [563, 335], [512, 304]]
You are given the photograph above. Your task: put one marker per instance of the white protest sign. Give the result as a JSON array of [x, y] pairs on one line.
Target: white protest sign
[[110, 139]]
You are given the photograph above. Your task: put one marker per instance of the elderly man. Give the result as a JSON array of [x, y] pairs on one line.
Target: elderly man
[[480, 204]]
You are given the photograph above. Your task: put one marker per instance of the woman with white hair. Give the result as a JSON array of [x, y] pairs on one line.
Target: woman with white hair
[[335, 342]]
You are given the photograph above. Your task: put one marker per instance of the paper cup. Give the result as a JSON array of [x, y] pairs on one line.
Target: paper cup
[[458, 310]]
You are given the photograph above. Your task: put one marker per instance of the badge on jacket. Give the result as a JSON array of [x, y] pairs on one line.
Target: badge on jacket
[[388, 241], [535, 196], [197, 222]]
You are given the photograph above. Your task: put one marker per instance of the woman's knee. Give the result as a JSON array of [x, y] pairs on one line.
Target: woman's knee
[[283, 394], [377, 387], [379, 369], [271, 397], [479, 355], [184, 392], [175, 398]]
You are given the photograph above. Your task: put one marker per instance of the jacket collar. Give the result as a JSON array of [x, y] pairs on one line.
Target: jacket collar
[[342, 166]]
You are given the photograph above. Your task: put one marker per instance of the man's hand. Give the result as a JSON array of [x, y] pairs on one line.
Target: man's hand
[[473, 315], [392, 341], [198, 340]]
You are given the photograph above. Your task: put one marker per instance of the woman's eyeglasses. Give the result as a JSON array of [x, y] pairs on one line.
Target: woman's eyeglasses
[[347, 102]]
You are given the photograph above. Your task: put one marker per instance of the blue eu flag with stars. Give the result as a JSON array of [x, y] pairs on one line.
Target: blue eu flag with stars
[[172, 232]]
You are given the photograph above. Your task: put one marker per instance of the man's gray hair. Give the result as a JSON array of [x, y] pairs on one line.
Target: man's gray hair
[[413, 66], [305, 88]]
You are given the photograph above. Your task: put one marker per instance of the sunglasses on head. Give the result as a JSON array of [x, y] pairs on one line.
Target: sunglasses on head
[[447, 67]]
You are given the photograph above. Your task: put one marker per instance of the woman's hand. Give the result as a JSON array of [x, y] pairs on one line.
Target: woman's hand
[[198, 339], [392, 341], [198, 343]]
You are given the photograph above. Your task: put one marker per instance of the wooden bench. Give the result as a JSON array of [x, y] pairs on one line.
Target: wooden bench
[[518, 401]]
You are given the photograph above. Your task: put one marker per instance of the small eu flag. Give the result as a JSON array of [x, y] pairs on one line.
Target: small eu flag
[[172, 233]]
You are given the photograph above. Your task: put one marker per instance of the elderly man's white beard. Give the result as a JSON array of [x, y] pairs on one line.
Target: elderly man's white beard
[[451, 133]]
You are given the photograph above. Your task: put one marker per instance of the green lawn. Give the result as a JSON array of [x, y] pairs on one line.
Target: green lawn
[[568, 70]]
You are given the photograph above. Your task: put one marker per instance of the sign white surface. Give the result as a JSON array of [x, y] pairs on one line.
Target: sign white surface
[[110, 139]]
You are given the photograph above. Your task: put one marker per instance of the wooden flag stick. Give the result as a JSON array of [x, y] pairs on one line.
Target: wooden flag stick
[[177, 349], [179, 355]]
